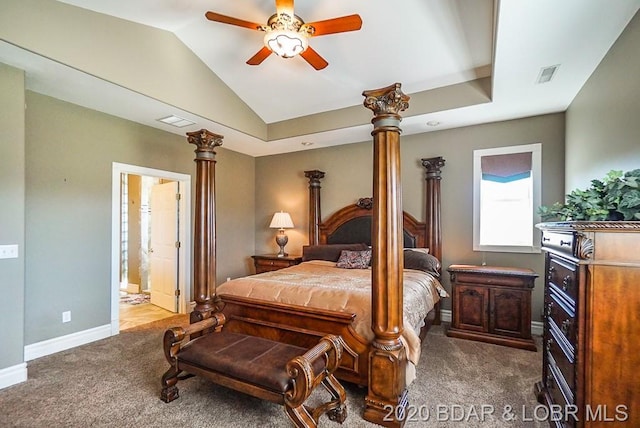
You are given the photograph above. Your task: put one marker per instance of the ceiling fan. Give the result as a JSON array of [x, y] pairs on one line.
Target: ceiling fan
[[287, 34]]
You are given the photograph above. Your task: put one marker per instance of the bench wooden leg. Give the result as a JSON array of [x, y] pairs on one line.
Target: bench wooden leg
[[305, 380], [337, 410], [300, 417], [169, 389]]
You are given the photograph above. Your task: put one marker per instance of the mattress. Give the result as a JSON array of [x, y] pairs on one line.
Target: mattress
[[320, 284]]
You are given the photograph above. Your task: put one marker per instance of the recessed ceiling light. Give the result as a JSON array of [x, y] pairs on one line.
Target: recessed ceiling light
[[433, 123], [547, 73], [176, 121], [307, 143]]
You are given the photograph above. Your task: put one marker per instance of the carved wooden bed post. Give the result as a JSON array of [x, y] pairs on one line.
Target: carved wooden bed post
[[387, 359], [315, 217], [204, 239], [432, 215], [432, 203]]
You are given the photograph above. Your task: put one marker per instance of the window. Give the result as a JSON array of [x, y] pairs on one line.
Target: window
[[506, 196]]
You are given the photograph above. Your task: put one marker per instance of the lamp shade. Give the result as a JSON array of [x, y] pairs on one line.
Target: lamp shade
[[281, 220]]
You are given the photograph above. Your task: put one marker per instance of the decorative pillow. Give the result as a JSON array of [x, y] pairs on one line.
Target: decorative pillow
[[420, 250], [422, 261], [329, 252], [350, 259]]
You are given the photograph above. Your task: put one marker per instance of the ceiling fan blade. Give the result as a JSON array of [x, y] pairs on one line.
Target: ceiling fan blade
[[314, 59], [212, 16], [336, 25], [260, 56], [284, 5]]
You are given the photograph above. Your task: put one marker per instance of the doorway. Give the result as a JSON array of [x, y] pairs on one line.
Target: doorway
[[149, 240]]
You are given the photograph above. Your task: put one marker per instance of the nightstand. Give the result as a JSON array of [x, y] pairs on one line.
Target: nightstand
[[492, 304], [269, 262]]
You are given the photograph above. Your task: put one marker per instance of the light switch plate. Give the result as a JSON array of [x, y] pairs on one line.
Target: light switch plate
[[8, 251]]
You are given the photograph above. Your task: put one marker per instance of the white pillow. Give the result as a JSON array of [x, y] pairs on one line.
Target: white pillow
[[419, 250]]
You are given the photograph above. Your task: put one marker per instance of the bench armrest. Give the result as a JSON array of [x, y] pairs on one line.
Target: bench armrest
[[174, 338], [301, 369]]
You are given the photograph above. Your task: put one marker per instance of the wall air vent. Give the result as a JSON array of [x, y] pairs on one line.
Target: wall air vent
[[176, 121], [547, 73]]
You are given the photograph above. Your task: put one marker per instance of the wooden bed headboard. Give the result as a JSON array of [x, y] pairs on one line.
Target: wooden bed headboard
[[353, 223]]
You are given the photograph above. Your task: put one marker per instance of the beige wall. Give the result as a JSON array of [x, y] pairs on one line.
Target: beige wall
[[145, 59], [603, 126], [12, 226], [69, 156], [281, 185]]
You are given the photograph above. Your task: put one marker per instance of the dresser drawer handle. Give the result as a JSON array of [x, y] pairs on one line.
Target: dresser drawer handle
[[566, 282], [549, 308], [550, 383], [566, 324], [567, 243], [549, 343], [552, 270], [544, 239]]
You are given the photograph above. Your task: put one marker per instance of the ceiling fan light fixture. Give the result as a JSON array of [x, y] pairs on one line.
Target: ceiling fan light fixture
[[286, 43]]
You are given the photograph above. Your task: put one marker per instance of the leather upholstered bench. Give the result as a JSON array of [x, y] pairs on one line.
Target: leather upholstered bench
[[282, 373]]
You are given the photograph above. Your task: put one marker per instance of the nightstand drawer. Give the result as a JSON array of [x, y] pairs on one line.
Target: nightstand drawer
[[268, 263], [272, 264]]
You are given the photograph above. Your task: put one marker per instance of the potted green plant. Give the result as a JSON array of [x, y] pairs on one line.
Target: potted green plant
[[614, 198]]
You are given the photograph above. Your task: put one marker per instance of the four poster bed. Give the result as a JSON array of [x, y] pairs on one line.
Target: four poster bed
[[381, 325]]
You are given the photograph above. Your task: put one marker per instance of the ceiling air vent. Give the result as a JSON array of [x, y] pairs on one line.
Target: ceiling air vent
[[547, 73], [176, 121]]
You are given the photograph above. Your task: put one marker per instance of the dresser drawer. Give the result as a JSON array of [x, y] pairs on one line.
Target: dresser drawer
[[563, 277], [560, 242], [562, 398], [564, 358], [563, 316]]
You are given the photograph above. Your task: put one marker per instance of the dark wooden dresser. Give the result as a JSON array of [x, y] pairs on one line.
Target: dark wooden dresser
[[269, 262], [492, 304], [591, 360]]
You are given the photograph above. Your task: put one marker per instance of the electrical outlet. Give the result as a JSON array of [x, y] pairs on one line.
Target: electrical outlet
[[8, 251], [66, 316]]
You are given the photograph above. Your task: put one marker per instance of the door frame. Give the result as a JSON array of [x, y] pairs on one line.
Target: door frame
[[184, 256]]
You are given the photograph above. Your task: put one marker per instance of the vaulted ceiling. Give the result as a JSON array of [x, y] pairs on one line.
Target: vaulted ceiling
[[462, 62]]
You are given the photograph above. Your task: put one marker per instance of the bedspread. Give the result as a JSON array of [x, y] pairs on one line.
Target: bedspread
[[320, 284]]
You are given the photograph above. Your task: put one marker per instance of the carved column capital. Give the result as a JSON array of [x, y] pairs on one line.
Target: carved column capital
[[314, 177], [433, 167], [386, 104], [206, 143]]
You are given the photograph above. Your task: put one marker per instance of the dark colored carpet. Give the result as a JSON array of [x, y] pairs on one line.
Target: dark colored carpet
[[115, 382]]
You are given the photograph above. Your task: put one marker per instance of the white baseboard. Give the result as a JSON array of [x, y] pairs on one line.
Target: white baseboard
[[13, 375], [133, 288], [57, 344], [537, 327]]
